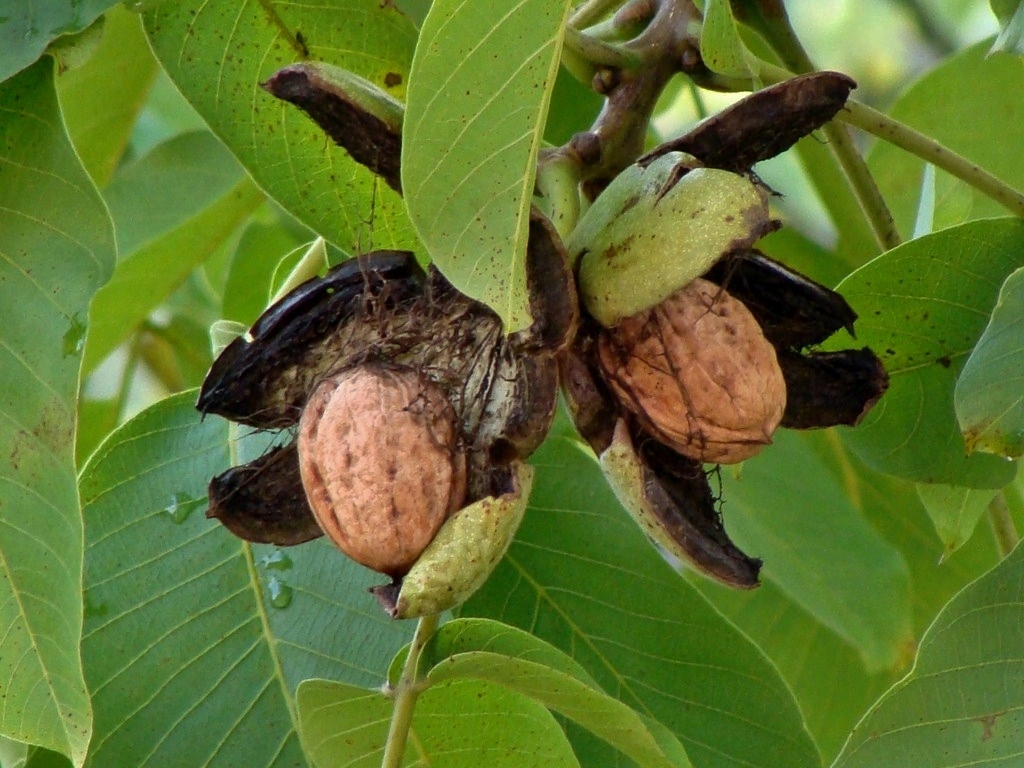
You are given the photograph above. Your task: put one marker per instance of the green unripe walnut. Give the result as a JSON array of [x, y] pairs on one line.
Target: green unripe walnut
[[462, 554], [657, 228]]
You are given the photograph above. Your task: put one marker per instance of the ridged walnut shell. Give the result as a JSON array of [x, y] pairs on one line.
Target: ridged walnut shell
[[698, 374], [381, 463]]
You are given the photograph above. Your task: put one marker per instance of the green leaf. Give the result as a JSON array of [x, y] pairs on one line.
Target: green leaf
[[989, 395], [721, 47], [893, 508], [175, 181], [44, 758], [819, 550], [102, 100], [218, 52], [26, 29], [961, 705], [479, 92], [992, 89], [955, 511], [826, 674], [923, 307], [56, 249], [486, 650], [195, 640], [173, 208], [459, 724], [581, 576], [72, 51]]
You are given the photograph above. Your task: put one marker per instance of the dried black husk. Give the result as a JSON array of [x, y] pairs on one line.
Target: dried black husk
[[264, 501], [680, 494], [792, 310], [824, 389], [369, 140], [264, 382], [763, 124]]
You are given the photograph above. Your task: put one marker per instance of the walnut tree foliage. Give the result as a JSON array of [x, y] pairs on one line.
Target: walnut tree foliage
[[151, 190]]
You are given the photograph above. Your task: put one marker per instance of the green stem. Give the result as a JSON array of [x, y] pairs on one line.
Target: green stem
[[406, 693], [125, 381], [875, 209], [884, 127], [1003, 529], [598, 51]]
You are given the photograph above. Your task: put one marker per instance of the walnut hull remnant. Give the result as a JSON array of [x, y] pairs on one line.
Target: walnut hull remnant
[[412, 407], [668, 491], [381, 463], [698, 373]]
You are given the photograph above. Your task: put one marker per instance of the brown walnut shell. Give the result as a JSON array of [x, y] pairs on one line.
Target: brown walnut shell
[[381, 462], [698, 373]]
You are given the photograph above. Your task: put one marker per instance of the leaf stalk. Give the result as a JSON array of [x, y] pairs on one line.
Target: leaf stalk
[[405, 694], [1003, 528]]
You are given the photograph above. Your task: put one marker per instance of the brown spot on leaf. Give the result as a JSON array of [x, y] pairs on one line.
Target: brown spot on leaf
[[988, 724]]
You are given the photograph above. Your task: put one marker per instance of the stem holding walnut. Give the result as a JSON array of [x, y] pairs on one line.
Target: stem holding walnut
[[405, 693]]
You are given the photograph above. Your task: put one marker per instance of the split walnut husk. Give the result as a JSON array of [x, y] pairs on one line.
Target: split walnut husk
[[414, 412]]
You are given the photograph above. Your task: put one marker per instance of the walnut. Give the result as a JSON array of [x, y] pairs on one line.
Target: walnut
[[381, 462], [698, 373]]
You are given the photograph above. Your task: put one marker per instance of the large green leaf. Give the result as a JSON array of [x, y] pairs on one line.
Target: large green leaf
[[56, 249], [459, 724], [826, 674], [27, 28], [989, 395], [172, 209], [486, 650], [219, 51], [893, 508], [478, 99], [962, 704], [581, 576], [102, 99], [195, 641], [786, 508], [922, 308]]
